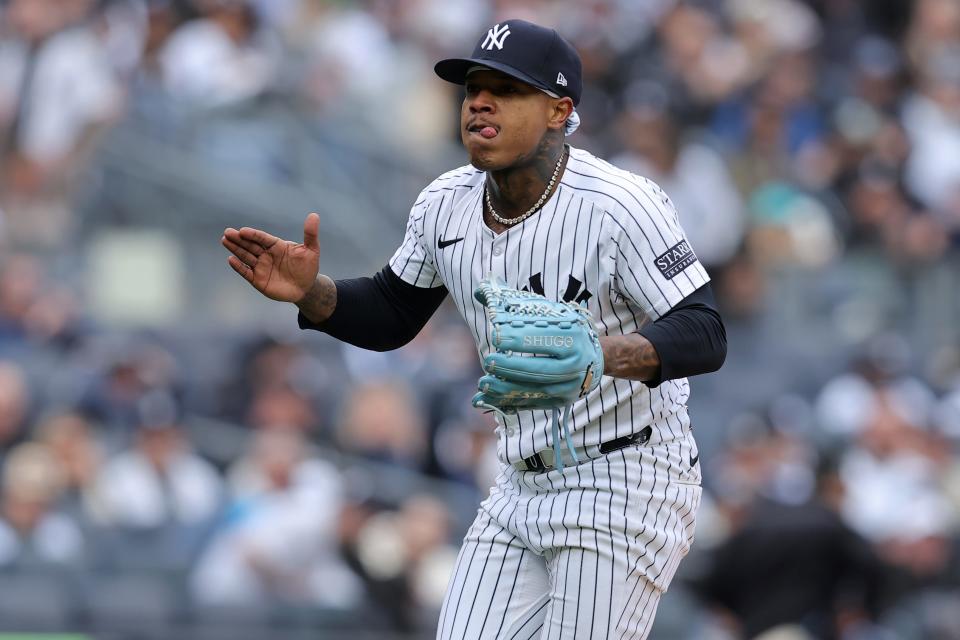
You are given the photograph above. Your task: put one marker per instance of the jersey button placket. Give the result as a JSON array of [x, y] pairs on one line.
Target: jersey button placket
[[497, 251]]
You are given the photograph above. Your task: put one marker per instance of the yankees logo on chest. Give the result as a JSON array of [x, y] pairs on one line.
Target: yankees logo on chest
[[575, 291]]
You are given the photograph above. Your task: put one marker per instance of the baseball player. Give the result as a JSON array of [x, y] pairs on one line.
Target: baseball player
[[589, 310]]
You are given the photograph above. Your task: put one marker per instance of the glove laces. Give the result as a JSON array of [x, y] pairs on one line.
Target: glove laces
[[557, 451], [534, 308]]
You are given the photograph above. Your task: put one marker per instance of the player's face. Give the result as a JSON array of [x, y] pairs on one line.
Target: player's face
[[503, 120]]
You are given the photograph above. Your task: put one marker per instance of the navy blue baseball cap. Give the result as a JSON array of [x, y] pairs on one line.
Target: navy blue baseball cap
[[528, 52]]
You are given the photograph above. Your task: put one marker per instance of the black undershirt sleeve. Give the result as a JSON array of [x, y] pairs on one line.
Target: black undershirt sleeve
[[690, 338], [379, 313], [384, 312]]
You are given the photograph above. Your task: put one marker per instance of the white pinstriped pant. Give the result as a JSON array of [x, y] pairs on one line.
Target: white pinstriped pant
[[582, 554]]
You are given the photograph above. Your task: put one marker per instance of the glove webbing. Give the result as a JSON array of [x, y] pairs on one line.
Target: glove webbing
[[557, 458]]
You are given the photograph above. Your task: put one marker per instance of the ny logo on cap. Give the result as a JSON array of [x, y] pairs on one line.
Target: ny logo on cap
[[495, 37]]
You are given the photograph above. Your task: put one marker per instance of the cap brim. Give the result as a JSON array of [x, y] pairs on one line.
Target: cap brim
[[455, 70]]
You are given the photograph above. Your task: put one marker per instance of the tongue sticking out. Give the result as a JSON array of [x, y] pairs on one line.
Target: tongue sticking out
[[488, 132]]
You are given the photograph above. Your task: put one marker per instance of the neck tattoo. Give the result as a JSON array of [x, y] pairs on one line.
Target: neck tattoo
[[532, 210]]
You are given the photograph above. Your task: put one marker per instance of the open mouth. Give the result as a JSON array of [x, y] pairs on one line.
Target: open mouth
[[483, 130]]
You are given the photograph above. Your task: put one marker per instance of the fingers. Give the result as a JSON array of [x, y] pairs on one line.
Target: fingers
[[238, 266], [234, 236], [261, 238], [505, 391], [245, 256], [502, 392], [311, 232], [536, 370]]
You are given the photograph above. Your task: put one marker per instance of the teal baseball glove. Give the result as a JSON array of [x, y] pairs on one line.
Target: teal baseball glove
[[547, 354]]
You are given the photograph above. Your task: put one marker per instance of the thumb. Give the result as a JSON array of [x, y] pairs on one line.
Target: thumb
[[311, 230]]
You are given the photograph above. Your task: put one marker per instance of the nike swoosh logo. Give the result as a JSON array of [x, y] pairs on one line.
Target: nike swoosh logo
[[694, 460], [441, 243]]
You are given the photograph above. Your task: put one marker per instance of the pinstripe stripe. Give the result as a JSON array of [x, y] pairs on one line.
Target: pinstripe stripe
[[506, 608], [466, 577], [531, 617], [483, 571], [668, 221], [612, 551], [643, 521], [641, 288]]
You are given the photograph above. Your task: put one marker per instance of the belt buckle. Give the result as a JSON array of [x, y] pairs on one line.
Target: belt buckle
[[535, 463]]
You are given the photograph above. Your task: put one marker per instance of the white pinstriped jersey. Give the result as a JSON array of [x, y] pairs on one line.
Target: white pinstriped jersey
[[606, 238]]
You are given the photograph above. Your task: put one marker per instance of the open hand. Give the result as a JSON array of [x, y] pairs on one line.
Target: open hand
[[279, 269]]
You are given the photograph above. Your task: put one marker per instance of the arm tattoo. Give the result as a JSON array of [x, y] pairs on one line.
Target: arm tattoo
[[631, 356], [320, 301]]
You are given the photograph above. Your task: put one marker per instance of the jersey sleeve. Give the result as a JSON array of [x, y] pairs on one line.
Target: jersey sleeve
[[414, 262], [656, 267]]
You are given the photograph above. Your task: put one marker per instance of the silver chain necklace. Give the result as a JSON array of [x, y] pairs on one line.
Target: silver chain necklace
[[532, 210]]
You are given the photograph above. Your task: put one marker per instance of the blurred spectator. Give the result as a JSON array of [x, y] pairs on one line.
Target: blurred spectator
[[161, 20], [126, 371], [351, 51], [878, 382], [122, 27], [771, 131], [220, 58], [32, 532], [281, 406], [380, 421], [797, 564], [278, 543], [159, 481], [425, 528], [878, 73], [707, 201], [14, 404], [56, 89], [70, 439], [934, 26], [33, 309], [696, 51], [790, 229], [930, 118], [405, 557], [21, 281], [885, 216], [466, 448], [766, 457], [893, 473], [279, 384], [767, 29]]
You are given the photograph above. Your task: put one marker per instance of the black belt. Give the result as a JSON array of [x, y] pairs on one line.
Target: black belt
[[535, 462]]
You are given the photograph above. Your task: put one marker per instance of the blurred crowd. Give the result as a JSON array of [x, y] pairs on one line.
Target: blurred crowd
[[248, 472], [256, 470], [836, 514]]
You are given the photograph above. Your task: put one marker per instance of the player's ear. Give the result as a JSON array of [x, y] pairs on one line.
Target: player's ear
[[560, 110]]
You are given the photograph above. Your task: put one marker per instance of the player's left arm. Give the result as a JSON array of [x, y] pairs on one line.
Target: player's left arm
[[688, 340], [658, 271]]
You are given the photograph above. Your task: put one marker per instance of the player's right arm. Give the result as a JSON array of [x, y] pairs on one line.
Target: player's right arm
[[380, 313], [284, 270]]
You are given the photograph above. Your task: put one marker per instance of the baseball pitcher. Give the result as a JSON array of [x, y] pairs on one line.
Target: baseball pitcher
[[589, 309]]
